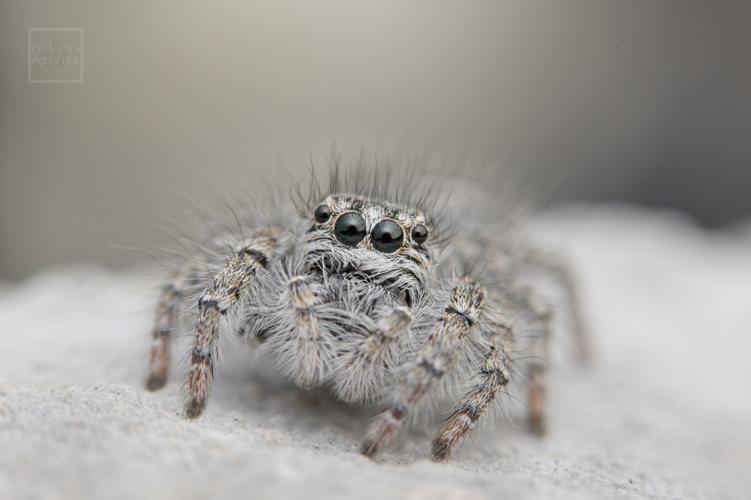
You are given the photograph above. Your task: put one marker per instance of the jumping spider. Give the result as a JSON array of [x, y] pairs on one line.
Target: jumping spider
[[362, 296]]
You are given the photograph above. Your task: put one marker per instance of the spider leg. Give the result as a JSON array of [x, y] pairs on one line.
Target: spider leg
[[216, 299], [493, 376], [537, 368], [537, 380], [166, 321], [307, 343], [563, 276], [364, 359], [436, 356], [582, 336]]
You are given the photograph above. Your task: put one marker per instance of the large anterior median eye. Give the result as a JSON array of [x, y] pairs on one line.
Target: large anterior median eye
[[350, 228], [387, 236]]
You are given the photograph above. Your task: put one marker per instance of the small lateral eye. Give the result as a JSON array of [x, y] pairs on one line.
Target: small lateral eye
[[420, 234], [322, 213], [387, 236]]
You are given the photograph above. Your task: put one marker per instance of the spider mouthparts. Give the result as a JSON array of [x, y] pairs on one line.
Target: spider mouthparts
[[328, 266]]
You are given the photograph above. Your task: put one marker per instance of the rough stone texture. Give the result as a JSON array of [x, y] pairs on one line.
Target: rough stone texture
[[664, 412]]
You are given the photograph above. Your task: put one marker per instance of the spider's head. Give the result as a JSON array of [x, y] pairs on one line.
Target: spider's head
[[371, 241]]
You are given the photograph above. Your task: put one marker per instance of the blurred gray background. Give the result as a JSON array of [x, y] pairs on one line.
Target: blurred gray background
[[643, 101]]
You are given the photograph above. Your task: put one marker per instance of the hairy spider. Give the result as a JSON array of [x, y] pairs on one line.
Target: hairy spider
[[364, 294]]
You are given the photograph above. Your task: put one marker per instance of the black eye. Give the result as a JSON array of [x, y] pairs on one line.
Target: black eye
[[350, 228], [387, 236], [420, 234], [322, 213]]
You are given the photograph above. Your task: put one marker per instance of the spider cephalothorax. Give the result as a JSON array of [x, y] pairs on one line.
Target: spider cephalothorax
[[357, 299], [371, 242]]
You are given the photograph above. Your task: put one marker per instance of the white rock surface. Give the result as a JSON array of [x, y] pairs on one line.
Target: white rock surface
[[665, 411]]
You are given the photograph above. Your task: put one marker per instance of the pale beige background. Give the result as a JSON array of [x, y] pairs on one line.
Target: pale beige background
[[640, 100]]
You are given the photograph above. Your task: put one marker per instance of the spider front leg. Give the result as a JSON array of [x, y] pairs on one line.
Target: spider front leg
[[493, 376], [435, 358], [214, 302], [310, 350], [363, 366]]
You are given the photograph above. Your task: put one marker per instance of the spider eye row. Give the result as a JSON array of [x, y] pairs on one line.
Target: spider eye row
[[387, 236]]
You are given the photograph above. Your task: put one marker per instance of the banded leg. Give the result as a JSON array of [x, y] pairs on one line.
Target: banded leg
[[436, 356], [537, 380], [537, 371], [493, 376], [221, 294], [363, 364], [582, 337], [166, 321], [311, 351], [565, 279]]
